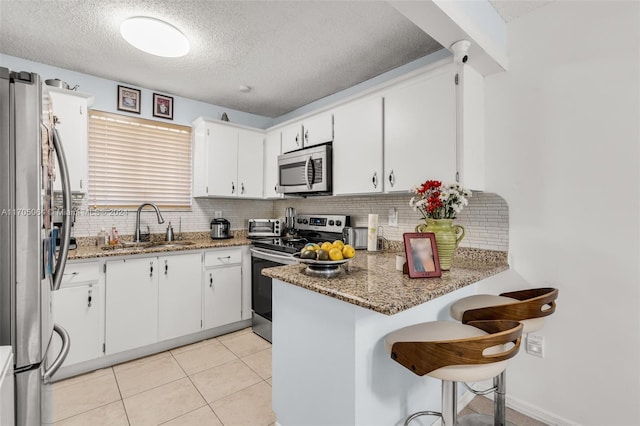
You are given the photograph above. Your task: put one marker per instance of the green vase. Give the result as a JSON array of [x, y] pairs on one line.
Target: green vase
[[448, 236]]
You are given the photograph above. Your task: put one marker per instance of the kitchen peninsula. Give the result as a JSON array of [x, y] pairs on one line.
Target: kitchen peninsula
[[329, 362]]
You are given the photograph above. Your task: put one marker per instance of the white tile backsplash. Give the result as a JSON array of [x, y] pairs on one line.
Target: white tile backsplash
[[486, 219]]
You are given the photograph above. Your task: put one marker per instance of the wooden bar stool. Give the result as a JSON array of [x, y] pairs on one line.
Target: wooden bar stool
[[454, 352], [529, 307]]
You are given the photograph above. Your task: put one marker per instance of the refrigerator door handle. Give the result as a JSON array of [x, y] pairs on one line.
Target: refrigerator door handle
[[66, 213], [64, 351]]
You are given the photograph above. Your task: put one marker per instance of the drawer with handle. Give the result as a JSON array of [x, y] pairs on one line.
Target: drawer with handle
[[80, 273], [222, 258]]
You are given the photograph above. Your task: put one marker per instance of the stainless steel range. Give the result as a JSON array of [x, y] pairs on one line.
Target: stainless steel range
[[270, 252]]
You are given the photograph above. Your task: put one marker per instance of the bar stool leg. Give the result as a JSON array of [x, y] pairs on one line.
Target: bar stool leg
[[449, 403], [499, 400]]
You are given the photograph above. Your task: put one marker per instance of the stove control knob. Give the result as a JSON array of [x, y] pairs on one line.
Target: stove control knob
[[331, 223], [338, 223], [305, 221]]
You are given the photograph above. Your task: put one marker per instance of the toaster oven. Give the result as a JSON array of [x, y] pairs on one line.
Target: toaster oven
[[264, 228]]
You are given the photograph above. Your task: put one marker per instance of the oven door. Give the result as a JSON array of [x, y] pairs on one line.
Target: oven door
[[305, 171]]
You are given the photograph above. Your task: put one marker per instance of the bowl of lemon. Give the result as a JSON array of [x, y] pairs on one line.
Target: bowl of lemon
[[324, 260]]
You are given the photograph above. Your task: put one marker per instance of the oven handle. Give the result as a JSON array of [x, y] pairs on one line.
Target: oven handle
[[261, 254]]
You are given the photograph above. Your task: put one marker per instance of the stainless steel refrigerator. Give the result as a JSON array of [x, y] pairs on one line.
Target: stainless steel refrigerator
[[30, 267]]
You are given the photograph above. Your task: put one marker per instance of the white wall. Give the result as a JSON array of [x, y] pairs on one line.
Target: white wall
[[563, 150], [105, 92]]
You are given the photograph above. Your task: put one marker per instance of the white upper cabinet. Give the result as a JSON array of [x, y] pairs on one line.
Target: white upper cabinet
[[271, 151], [420, 131], [318, 129], [250, 164], [358, 148], [292, 138], [71, 109], [228, 160], [222, 145]]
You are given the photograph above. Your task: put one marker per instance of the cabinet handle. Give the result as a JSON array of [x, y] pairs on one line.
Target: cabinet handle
[[225, 259], [210, 280], [151, 269], [297, 139], [89, 299], [306, 136], [275, 189], [374, 179], [233, 188], [242, 187], [80, 110], [392, 178], [166, 267], [72, 273]]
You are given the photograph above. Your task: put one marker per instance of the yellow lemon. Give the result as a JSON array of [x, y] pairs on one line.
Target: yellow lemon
[[326, 246], [348, 252], [335, 254], [338, 244]]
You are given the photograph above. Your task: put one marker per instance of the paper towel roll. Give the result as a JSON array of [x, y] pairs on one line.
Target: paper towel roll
[[372, 243]]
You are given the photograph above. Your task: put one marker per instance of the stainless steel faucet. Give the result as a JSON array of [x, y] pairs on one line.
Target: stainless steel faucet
[[136, 237]]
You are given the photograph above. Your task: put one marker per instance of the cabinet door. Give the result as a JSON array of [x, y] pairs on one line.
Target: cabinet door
[[250, 163], [78, 310], [292, 138], [222, 145], [357, 148], [222, 296], [271, 151], [71, 111], [180, 295], [420, 131], [318, 129], [131, 304], [200, 155]]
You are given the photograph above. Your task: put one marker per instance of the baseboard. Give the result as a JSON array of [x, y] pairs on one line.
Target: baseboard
[[537, 413]]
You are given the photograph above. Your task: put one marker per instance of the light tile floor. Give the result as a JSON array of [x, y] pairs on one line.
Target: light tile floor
[[225, 381]]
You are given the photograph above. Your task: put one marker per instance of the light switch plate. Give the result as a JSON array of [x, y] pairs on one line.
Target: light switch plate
[[393, 216], [535, 345], [217, 214]]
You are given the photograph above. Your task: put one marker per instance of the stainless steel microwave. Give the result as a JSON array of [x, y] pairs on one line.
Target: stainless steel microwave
[[305, 172]]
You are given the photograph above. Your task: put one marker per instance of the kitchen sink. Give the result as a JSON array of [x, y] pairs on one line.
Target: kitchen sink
[[131, 246]]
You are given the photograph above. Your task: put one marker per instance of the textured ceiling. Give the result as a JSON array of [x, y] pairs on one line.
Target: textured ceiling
[[290, 53], [513, 9]]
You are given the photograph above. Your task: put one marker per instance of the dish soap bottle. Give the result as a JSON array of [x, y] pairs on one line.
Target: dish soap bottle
[[114, 235], [103, 238]]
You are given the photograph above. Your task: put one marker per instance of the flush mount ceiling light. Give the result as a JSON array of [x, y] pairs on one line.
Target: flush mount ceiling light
[[155, 37]]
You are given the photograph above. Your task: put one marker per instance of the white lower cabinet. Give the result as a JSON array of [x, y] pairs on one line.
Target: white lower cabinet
[[131, 304], [78, 310], [180, 295], [222, 296]]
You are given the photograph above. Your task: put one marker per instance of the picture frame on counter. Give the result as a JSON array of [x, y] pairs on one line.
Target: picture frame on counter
[[422, 255], [129, 99], [162, 106]]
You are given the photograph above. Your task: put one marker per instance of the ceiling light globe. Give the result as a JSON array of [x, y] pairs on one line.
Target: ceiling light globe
[[155, 37]]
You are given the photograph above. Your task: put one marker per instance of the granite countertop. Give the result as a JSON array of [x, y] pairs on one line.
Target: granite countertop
[[201, 240], [373, 282]]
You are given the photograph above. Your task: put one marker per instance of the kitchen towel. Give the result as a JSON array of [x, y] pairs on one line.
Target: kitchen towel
[[372, 242]]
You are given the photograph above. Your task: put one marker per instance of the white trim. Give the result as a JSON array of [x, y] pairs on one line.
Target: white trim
[[537, 413]]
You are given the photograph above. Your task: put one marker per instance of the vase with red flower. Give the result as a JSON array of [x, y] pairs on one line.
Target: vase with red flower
[[439, 204]]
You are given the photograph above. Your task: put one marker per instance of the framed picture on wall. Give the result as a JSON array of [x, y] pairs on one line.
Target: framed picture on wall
[[162, 106], [422, 255], [128, 99]]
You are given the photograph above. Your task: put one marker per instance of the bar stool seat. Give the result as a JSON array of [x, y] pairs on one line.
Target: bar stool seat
[[454, 352], [449, 331], [485, 300]]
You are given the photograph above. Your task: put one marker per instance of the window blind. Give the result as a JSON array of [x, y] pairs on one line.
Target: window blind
[[133, 160]]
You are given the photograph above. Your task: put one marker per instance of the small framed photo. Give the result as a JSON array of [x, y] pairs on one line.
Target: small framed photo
[[422, 255], [128, 99], [162, 106]]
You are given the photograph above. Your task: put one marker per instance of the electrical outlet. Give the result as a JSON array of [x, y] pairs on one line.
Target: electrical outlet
[[535, 345], [393, 217], [217, 214]]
